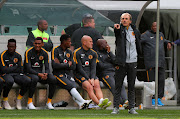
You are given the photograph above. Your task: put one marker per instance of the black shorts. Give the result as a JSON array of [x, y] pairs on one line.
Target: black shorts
[[65, 81]]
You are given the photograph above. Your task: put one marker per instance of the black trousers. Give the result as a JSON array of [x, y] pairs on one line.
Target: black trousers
[[130, 70], [21, 80], [161, 79], [51, 80], [108, 80], [1, 85]]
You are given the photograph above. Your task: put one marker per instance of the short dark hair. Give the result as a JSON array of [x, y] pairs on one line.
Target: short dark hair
[[64, 37], [11, 40], [87, 19], [39, 38]]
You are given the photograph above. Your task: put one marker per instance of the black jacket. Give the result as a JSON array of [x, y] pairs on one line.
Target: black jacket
[[79, 33], [86, 62], [33, 63], [64, 58], [11, 63], [148, 41], [120, 42], [106, 62]]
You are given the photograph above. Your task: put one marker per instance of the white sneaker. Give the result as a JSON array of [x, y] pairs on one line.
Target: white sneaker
[[88, 102], [18, 104], [83, 105], [6, 105], [31, 106], [49, 106]]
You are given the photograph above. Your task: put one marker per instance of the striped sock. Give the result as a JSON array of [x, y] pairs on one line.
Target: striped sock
[[19, 97], [5, 98], [29, 100], [49, 100]]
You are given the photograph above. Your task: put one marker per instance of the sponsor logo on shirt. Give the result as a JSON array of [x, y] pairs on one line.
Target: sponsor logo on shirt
[[151, 37], [36, 64], [65, 61], [86, 63], [10, 65], [82, 55], [44, 38]]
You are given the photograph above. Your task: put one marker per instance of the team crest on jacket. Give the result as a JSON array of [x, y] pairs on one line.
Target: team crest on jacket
[[117, 67], [161, 38], [41, 58], [86, 63], [15, 60], [90, 56], [133, 33], [82, 79], [61, 75], [107, 76], [67, 55]]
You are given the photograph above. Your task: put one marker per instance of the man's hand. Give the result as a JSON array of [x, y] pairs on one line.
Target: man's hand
[[43, 76], [116, 26], [108, 48], [169, 46], [56, 60], [70, 63], [91, 81]]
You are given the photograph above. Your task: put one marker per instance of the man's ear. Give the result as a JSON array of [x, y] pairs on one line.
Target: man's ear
[[43, 44]]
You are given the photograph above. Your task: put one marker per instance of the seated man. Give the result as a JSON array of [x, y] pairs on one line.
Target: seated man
[[63, 64], [86, 60], [106, 70], [35, 58], [11, 68]]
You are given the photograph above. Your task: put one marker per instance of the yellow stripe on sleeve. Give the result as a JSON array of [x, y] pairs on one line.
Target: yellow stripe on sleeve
[[47, 53], [2, 60], [74, 57], [53, 52], [27, 54]]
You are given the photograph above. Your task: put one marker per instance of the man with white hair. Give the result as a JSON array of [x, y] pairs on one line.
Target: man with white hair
[[128, 48]]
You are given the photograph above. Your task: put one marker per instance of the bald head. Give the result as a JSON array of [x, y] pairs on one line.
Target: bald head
[[102, 44], [87, 42], [42, 25]]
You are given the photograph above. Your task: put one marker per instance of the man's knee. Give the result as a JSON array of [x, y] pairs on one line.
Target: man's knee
[[96, 84], [52, 79], [9, 80], [87, 86], [27, 81], [34, 79]]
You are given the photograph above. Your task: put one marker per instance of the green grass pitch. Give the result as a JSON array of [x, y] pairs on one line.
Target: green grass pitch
[[88, 114]]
